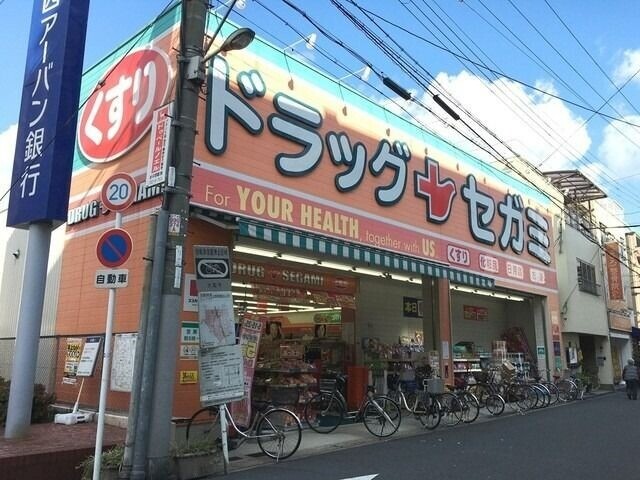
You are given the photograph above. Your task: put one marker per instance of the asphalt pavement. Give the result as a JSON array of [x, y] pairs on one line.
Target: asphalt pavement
[[596, 438]]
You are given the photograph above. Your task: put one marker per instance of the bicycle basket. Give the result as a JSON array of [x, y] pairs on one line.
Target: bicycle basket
[[284, 395], [435, 385], [327, 384]]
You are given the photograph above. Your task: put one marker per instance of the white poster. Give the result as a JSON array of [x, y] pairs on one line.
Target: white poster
[[124, 353], [215, 313], [190, 293], [445, 350], [89, 355]]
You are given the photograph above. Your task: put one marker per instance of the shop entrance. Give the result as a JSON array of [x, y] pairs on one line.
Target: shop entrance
[[308, 326], [489, 328]]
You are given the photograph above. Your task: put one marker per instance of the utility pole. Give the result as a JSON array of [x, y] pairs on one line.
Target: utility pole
[[153, 426], [176, 206]]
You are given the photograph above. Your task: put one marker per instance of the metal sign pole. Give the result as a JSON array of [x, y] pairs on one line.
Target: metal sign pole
[[223, 436], [106, 366]]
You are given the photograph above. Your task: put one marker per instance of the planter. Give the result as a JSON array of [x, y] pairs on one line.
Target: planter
[[196, 465], [109, 474]]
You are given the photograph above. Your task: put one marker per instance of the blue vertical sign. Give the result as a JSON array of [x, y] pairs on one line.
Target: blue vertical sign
[[46, 130]]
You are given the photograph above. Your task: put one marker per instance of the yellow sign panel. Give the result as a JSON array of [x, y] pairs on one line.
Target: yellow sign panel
[[188, 376]]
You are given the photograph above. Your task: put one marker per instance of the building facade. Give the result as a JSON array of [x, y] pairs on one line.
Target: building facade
[[356, 237]]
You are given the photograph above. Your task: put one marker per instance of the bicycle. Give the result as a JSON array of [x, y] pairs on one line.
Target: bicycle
[[325, 411], [423, 406], [470, 403], [451, 408], [277, 430], [568, 388], [488, 394]]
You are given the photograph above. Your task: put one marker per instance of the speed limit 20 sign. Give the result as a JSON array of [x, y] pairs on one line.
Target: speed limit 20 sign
[[118, 192]]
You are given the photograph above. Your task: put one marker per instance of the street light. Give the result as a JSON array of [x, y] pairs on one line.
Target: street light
[[238, 40]]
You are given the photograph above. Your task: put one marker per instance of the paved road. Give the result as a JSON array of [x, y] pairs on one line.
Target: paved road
[[598, 438]]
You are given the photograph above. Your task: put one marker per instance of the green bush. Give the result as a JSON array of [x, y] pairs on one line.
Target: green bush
[[110, 459], [40, 411]]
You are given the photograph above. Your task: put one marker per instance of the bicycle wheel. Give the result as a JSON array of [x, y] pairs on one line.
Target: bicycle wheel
[[525, 396], [429, 414], [554, 393], [203, 426], [381, 416], [279, 433], [546, 394], [324, 412], [540, 400], [470, 407], [410, 400], [396, 396], [567, 390], [451, 409], [480, 391], [494, 404]]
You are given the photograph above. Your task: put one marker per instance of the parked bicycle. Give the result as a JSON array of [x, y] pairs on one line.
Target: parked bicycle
[[277, 430], [488, 394], [470, 403], [325, 411], [569, 388], [425, 407]]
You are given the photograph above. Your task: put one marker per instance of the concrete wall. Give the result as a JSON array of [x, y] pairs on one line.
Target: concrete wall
[[581, 312]]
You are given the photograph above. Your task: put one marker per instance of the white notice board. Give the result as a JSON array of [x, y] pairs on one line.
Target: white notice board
[[124, 353], [90, 350], [221, 375]]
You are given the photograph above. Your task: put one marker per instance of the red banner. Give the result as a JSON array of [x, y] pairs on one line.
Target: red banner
[[250, 333], [614, 275]]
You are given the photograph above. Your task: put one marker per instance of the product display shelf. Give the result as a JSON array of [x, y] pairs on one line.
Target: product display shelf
[[284, 386], [469, 365]]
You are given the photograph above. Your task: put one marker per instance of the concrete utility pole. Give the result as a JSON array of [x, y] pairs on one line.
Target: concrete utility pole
[[153, 427], [176, 204]]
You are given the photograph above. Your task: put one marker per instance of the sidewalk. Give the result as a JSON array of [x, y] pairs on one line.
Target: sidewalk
[[53, 451], [248, 455]]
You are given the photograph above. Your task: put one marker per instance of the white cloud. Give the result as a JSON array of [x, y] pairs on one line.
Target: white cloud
[[628, 66], [539, 128], [7, 149], [619, 149]]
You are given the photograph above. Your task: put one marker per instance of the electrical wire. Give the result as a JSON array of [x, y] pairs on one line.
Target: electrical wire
[[560, 206], [631, 194], [606, 101], [561, 142]]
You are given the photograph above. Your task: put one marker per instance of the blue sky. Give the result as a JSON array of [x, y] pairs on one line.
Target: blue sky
[[526, 41]]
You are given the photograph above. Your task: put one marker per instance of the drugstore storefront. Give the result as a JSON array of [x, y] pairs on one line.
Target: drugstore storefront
[[375, 240]]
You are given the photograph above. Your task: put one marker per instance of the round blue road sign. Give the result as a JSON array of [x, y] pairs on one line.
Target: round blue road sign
[[114, 247]]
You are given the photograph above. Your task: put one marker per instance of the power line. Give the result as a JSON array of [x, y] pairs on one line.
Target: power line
[[606, 101], [497, 72], [577, 156], [564, 24], [526, 178]]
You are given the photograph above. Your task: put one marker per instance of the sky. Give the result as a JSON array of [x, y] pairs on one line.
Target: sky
[[554, 81]]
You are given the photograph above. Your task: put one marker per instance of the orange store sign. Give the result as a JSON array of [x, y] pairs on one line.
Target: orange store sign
[[309, 172], [290, 152]]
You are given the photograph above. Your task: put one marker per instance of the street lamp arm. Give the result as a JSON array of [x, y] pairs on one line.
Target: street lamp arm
[[219, 27]]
